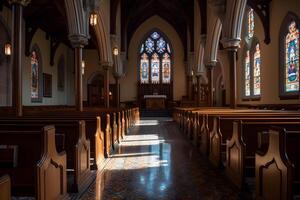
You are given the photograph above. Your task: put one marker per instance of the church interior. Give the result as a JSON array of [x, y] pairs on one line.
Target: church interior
[[149, 99]]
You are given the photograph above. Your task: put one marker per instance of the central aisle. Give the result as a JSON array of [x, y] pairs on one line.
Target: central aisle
[[155, 161]]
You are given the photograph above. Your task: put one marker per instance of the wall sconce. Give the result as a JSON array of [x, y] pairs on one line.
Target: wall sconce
[[110, 93], [82, 67], [115, 51], [93, 19], [7, 49]]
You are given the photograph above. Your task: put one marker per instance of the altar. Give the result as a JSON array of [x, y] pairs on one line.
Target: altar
[[155, 101]]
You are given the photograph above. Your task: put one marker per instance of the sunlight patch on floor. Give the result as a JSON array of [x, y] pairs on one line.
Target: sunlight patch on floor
[[147, 123]]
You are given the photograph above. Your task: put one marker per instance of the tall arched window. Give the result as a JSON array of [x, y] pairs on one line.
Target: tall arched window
[[252, 60], [155, 60], [36, 79], [289, 57]]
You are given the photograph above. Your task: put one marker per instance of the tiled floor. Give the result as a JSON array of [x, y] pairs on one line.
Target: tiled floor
[[155, 161]]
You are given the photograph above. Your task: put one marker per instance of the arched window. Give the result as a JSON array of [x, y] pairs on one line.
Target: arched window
[[250, 23], [155, 60], [256, 71], [289, 57], [252, 61], [36, 79]]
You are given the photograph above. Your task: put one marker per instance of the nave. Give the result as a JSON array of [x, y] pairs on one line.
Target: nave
[[156, 161]]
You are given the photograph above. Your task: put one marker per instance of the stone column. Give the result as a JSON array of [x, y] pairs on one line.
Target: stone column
[[17, 30], [78, 78], [198, 90], [210, 85], [106, 86], [233, 82], [189, 86], [117, 96]]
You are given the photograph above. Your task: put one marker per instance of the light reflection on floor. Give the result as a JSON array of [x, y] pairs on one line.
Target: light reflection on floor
[[155, 161]]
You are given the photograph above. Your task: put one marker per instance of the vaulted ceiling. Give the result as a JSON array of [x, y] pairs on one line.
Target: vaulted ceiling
[[178, 13]]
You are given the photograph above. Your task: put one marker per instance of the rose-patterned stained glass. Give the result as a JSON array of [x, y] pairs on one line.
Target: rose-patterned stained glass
[[292, 59], [166, 69], [250, 23], [155, 53], [161, 45], [247, 74], [155, 69], [256, 71], [155, 35], [144, 69], [149, 45]]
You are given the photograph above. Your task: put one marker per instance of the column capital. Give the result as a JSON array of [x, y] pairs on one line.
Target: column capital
[[105, 65], [78, 41], [229, 44], [21, 2], [210, 64]]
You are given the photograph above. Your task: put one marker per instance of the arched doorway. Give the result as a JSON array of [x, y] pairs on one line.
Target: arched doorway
[[96, 90]]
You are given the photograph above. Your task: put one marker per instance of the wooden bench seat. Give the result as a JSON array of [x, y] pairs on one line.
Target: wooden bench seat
[[36, 146], [241, 147], [277, 169], [75, 144]]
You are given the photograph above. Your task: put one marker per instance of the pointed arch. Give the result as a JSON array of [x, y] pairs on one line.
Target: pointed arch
[[212, 43], [103, 40]]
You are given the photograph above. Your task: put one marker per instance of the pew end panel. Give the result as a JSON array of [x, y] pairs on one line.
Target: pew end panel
[[5, 188], [83, 175], [215, 147], [99, 144], [51, 169], [273, 170], [235, 156]]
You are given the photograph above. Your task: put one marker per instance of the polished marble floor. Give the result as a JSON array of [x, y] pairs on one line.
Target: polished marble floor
[[155, 161]]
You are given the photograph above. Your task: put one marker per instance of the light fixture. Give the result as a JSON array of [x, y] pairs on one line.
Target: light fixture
[[82, 67], [110, 93], [116, 51], [93, 19], [7, 49]]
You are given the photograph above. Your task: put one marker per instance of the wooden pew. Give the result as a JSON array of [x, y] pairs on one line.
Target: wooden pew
[[76, 145], [51, 169], [241, 148], [120, 135], [277, 170], [99, 145], [5, 187], [36, 146], [222, 131]]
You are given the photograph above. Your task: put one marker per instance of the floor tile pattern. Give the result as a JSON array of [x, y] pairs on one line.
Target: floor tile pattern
[[155, 161]]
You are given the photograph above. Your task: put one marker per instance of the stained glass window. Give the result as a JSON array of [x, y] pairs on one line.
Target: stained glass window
[[252, 62], [166, 69], [292, 58], [149, 45], [144, 69], [250, 24], [247, 74], [155, 60], [34, 76], [256, 71], [161, 45], [155, 69]]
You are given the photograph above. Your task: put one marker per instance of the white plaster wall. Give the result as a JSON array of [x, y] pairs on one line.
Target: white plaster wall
[[58, 97]]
